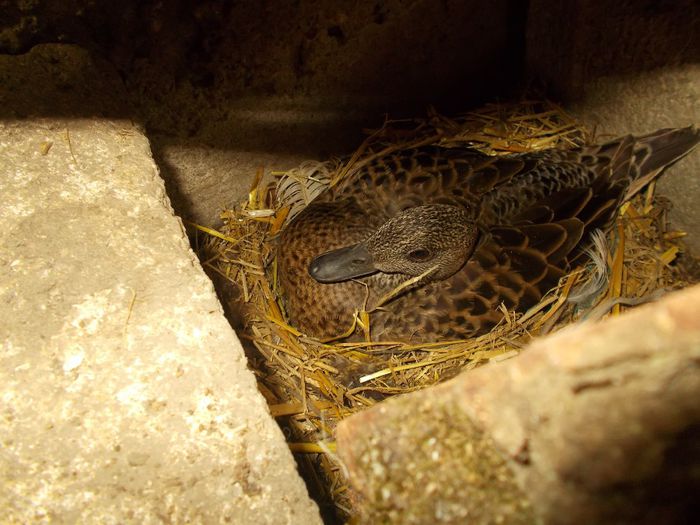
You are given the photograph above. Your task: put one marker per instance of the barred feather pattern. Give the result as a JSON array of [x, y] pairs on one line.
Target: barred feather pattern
[[535, 213]]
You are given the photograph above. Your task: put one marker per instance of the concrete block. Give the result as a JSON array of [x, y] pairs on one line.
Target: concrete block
[[597, 423], [125, 395]]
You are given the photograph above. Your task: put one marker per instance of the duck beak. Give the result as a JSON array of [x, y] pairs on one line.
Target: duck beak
[[342, 264]]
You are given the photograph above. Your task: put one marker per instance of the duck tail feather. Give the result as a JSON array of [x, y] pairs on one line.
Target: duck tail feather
[[658, 150]]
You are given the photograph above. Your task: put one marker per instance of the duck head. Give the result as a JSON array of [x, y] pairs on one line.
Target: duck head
[[438, 236]]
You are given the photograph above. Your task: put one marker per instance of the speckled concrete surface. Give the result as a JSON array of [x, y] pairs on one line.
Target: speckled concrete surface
[[597, 423], [125, 396]]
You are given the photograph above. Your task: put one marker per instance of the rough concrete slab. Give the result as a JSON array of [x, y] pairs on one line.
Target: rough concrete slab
[[597, 423], [125, 395]]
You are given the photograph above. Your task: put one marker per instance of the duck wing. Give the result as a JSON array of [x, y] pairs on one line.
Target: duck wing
[[426, 175], [555, 184], [514, 265], [510, 185], [656, 151]]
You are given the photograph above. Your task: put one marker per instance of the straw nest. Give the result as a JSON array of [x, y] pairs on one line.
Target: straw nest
[[311, 384]]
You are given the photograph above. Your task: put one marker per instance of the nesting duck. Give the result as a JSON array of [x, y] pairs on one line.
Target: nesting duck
[[462, 231]]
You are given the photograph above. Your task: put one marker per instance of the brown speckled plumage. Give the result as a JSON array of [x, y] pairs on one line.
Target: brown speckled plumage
[[533, 213]]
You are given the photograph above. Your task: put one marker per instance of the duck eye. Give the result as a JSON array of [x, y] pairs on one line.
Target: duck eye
[[419, 255]]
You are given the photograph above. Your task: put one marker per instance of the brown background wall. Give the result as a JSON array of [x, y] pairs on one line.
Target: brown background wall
[[226, 87]]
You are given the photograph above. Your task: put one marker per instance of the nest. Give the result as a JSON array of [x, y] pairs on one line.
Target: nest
[[310, 384]]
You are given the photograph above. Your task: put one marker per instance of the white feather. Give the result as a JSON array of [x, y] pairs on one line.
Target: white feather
[[298, 187], [598, 271]]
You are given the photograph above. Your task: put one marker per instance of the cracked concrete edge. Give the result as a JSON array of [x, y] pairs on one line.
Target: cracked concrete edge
[[593, 410], [125, 394]]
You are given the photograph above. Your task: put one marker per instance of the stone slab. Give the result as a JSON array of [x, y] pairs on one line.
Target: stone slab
[[597, 423], [124, 394]]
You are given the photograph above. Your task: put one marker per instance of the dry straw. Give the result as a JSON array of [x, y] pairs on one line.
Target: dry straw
[[311, 384]]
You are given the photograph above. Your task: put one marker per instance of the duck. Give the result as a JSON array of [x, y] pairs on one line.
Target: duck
[[458, 233]]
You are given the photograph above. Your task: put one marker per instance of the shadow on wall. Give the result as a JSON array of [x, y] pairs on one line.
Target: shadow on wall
[[570, 44], [278, 82], [184, 63], [187, 64]]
